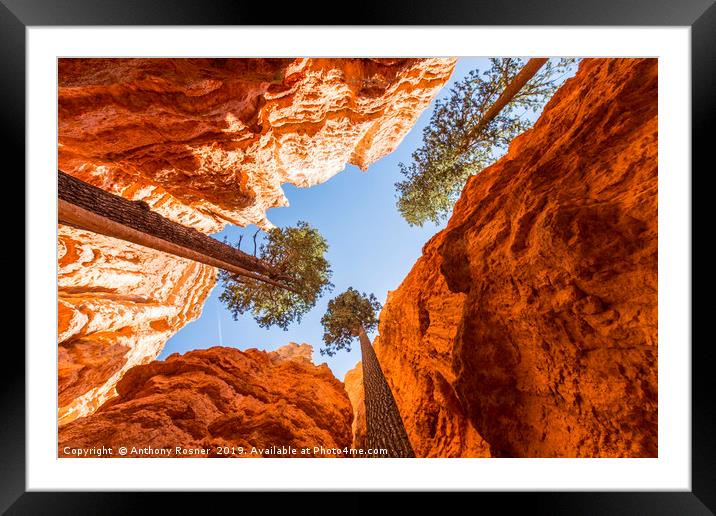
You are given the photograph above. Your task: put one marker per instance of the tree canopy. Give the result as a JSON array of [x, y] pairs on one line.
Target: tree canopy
[[452, 152], [298, 255], [345, 315]]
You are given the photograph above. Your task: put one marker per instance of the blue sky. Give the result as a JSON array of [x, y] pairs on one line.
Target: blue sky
[[371, 248]]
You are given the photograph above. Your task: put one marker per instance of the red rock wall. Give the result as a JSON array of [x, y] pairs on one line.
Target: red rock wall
[[220, 397], [354, 387], [118, 304], [203, 142], [530, 322], [210, 141]]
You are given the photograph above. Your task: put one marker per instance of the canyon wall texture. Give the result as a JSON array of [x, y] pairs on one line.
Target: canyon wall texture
[[353, 383], [118, 303], [210, 141], [203, 142], [220, 397], [528, 328]]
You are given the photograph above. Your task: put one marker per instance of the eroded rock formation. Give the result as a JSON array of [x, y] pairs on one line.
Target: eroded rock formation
[[210, 141], [528, 327], [220, 397], [353, 382], [202, 142], [118, 305]]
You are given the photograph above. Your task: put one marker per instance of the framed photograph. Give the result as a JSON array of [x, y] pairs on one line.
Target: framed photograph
[[447, 251]]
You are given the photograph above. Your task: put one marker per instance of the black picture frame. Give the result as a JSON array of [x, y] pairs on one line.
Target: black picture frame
[[700, 15]]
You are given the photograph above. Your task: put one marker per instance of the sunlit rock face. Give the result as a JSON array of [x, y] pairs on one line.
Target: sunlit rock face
[[528, 328], [210, 141], [203, 142], [354, 387], [221, 397], [118, 305]]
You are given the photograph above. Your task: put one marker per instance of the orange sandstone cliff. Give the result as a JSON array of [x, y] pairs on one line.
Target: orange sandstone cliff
[[203, 142], [353, 382], [528, 328], [210, 141], [118, 305], [219, 398]]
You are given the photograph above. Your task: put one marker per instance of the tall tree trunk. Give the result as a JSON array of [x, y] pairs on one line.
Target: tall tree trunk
[[84, 206], [384, 426], [528, 71]]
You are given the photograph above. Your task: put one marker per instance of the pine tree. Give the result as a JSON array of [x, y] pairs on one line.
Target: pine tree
[[297, 255], [348, 316], [465, 135]]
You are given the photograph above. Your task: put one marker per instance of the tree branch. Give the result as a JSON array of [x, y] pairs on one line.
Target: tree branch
[[264, 279]]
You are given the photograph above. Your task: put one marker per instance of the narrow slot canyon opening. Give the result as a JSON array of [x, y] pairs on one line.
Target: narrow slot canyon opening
[[502, 319]]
